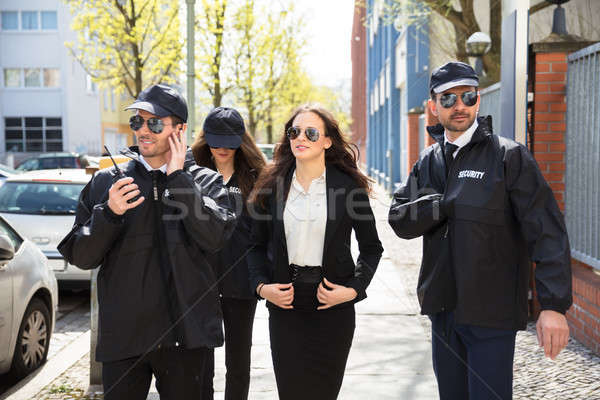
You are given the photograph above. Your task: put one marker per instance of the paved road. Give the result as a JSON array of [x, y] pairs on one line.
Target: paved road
[[72, 319]]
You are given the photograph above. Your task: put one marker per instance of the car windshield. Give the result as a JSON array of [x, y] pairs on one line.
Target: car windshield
[[49, 163], [55, 198]]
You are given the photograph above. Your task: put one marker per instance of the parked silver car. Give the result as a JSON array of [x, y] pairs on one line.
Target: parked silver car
[[28, 301], [41, 206]]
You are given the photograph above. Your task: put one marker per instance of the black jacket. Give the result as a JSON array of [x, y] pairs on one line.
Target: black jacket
[[480, 228], [230, 263], [347, 208], [153, 270]]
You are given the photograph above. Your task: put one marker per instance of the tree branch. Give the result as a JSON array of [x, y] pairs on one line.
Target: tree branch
[[539, 6]]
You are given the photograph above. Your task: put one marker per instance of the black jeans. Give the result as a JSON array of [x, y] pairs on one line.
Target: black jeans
[[238, 319], [179, 375]]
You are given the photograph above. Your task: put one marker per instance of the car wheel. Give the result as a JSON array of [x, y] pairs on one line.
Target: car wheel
[[31, 349]]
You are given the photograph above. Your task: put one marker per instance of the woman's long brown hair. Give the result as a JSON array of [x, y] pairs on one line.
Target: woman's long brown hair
[[248, 161], [341, 154]]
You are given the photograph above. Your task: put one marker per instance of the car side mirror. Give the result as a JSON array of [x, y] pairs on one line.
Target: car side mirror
[[7, 250]]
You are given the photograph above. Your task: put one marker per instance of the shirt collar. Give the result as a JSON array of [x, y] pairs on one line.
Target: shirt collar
[[465, 138], [162, 169], [316, 186]]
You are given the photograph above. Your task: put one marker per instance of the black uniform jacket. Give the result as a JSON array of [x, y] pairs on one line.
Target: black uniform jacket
[[347, 208], [230, 263], [480, 228], [153, 270]]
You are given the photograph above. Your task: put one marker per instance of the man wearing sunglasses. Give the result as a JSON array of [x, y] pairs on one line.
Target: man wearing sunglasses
[[158, 307], [485, 212]]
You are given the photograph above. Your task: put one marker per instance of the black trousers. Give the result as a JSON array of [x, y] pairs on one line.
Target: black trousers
[[471, 362], [179, 375], [238, 319], [310, 350]]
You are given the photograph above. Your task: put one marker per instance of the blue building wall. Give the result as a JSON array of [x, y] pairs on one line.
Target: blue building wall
[[387, 122]]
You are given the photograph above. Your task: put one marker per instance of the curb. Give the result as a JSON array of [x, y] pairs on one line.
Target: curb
[[29, 387]]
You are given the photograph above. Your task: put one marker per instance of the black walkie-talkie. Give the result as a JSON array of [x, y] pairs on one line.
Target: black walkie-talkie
[[120, 173]]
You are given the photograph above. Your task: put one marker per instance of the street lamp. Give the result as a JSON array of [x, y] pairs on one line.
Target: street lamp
[[478, 44], [559, 22]]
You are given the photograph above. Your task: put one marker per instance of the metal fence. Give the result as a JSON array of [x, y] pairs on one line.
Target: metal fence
[[582, 191], [490, 105]]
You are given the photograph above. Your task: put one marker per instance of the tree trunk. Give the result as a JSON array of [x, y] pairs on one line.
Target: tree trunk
[[461, 47]]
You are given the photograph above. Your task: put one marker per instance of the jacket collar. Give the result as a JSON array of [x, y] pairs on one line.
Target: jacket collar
[[483, 130]]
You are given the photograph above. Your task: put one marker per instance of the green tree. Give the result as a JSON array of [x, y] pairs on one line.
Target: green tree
[[211, 55], [127, 44], [461, 15], [269, 44]]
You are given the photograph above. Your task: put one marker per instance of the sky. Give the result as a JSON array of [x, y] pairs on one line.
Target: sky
[[329, 26]]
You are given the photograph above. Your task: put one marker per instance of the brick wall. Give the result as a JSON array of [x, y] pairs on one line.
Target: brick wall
[[584, 316], [549, 147], [550, 119], [359, 82], [412, 140]]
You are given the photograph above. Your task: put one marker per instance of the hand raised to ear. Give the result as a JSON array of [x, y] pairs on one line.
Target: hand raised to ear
[[178, 147]]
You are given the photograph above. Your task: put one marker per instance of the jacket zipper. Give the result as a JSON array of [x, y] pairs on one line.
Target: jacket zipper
[[154, 187]]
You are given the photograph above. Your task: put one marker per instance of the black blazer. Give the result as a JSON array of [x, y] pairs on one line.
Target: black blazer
[[347, 208]]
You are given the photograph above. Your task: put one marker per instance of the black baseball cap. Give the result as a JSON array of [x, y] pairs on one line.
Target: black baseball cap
[[224, 127], [452, 74], [162, 101]]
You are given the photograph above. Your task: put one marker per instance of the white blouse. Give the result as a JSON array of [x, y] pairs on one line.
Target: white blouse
[[305, 219]]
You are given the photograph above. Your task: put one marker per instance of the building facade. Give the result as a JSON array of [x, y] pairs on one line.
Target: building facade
[[397, 79], [47, 101]]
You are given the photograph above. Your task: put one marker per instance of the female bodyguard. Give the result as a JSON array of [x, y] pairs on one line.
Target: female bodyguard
[[224, 145], [304, 208]]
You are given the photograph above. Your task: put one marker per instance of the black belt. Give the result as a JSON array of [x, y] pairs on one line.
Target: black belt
[[306, 274], [306, 281]]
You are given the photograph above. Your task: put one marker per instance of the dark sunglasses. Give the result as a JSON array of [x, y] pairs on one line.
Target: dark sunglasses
[[156, 125], [469, 99], [311, 134]]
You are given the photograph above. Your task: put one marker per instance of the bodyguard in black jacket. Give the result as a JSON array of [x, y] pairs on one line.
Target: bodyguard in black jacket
[[149, 232], [484, 211]]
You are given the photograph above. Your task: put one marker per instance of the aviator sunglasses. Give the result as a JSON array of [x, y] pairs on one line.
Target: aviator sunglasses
[[311, 134], [469, 99], [156, 125]]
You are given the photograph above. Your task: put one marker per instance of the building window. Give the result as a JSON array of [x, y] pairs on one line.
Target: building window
[[381, 88], [12, 77], [29, 21], [10, 20], [105, 99], [388, 80], [401, 60], [32, 77], [49, 20], [33, 134], [90, 85], [113, 106], [51, 77]]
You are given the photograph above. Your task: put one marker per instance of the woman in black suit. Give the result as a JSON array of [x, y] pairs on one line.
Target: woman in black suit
[[225, 146], [304, 208]]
